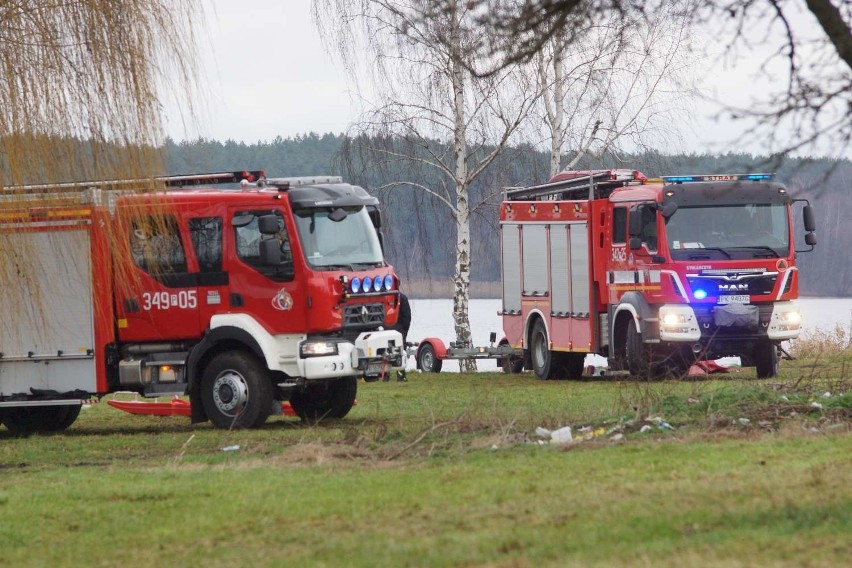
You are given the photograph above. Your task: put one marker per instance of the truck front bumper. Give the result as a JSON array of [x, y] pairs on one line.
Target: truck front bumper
[[372, 353], [775, 322]]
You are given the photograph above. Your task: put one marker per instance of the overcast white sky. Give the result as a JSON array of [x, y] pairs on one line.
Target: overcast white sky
[[267, 73]]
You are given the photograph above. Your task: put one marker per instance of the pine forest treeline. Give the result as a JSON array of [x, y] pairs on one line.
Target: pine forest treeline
[[419, 234]]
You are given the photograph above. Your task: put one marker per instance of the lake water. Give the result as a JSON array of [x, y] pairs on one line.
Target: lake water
[[433, 318]]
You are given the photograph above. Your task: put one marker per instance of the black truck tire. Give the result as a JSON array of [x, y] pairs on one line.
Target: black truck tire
[[330, 400], [25, 420], [67, 418], [765, 357], [545, 363], [572, 365], [236, 391], [638, 361]]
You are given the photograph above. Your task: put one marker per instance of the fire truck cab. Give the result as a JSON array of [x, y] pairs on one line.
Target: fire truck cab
[[653, 274], [271, 290]]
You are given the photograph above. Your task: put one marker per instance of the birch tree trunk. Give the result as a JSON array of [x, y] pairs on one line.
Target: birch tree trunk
[[554, 103], [461, 276]]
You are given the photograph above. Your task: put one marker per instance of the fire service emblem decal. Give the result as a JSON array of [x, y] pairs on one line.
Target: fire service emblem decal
[[282, 300]]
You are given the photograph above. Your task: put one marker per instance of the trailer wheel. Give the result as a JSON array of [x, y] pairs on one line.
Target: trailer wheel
[[511, 365], [543, 360], [765, 357], [427, 361], [30, 419], [236, 391], [331, 400]]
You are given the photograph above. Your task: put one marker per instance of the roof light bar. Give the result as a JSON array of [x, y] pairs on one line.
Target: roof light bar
[[291, 182], [718, 177]]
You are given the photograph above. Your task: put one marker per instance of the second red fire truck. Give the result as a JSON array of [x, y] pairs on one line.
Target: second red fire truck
[[275, 290], [652, 274]]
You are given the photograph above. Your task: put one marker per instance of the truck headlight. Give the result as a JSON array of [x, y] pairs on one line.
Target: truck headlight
[[674, 320], [318, 349], [785, 322], [678, 323], [791, 318]]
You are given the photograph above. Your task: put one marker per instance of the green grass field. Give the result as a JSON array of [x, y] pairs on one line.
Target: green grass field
[[446, 470]]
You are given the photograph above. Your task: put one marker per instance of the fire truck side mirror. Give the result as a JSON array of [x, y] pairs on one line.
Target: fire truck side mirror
[[809, 219], [635, 223], [810, 239], [635, 243], [669, 209], [375, 217]]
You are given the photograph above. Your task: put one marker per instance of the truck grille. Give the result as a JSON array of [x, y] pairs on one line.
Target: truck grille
[[363, 316], [751, 285]]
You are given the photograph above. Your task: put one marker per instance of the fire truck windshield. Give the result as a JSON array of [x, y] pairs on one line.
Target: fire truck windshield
[[728, 232], [331, 241]]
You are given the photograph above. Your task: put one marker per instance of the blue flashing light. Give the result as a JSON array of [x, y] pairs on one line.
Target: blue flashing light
[[355, 285], [388, 282], [700, 294], [368, 284], [377, 284], [719, 177]]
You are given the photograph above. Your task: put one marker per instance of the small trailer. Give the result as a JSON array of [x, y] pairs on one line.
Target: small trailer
[[431, 353]]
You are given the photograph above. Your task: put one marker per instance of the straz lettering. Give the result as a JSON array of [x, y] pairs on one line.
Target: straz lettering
[[720, 178], [183, 300]]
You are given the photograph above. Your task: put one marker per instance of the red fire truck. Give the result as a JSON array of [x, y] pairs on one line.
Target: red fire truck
[[273, 290], [653, 274]]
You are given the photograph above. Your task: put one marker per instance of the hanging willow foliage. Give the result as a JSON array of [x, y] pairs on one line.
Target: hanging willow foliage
[[91, 71], [82, 88]]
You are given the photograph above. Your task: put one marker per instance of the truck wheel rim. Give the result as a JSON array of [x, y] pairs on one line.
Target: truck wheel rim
[[539, 351], [230, 393], [428, 360]]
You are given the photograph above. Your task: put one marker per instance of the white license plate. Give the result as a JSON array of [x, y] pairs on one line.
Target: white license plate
[[735, 299]]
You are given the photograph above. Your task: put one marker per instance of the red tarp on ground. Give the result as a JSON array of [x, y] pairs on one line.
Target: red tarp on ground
[[706, 368]]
